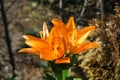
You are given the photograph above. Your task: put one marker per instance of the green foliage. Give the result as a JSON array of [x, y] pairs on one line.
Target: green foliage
[[77, 79], [66, 73], [49, 76], [13, 78], [60, 72]]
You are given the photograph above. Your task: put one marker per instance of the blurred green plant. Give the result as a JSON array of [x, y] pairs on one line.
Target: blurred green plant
[[14, 78]]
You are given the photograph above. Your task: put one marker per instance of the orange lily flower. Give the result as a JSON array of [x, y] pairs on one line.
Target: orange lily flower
[[74, 40], [47, 47], [61, 39]]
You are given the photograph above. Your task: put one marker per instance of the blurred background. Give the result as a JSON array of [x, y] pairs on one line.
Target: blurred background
[[18, 17]]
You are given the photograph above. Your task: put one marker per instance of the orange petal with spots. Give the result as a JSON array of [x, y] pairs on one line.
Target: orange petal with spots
[[71, 29], [59, 29], [57, 50]]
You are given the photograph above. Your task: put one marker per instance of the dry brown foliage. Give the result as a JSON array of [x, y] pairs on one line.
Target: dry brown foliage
[[103, 63]]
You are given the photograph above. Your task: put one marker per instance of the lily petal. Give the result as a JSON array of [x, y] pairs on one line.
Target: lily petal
[[59, 29], [71, 29], [57, 50], [29, 37], [84, 47], [64, 60], [48, 55], [38, 45], [84, 33], [59, 44], [29, 50]]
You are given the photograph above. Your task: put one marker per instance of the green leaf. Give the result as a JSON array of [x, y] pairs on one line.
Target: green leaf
[[66, 73], [61, 71], [14, 78], [49, 76], [77, 79]]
